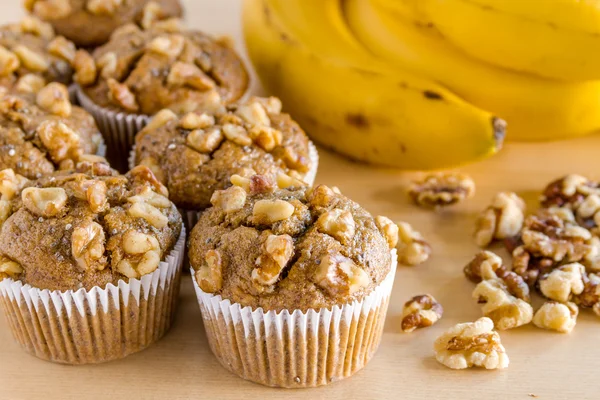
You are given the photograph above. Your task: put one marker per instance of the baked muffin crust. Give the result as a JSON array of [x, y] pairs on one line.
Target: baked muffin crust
[[42, 132], [90, 23], [294, 248], [31, 49], [84, 228], [197, 154], [165, 66]]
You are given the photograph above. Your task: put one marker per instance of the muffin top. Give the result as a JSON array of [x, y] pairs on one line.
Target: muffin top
[[84, 228], [199, 153], [293, 248], [90, 23], [41, 131], [165, 66], [31, 48]]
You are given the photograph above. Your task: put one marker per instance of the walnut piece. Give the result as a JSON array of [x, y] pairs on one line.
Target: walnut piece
[[277, 251], [254, 114], [237, 134], [44, 202], [63, 48], [54, 98], [122, 96], [9, 268], [85, 68], [265, 137], [388, 229], [103, 7], [506, 310], [271, 104], [60, 140], [193, 120], [37, 27], [169, 46], [285, 181], [420, 312], [87, 246], [568, 191], [441, 189], [186, 74], [321, 196], [49, 9], [590, 296], [30, 59], [143, 254], [338, 224], [556, 316], [11, 184], [205, 141], [9, 62], [339, 276], [412, 248], [563, 282], [487, 265], [30, 83], [471, 344], [162, 118], [149, 213], [502, 219], [152, 12], [96, 196], [268, 212], [210, 275], [229, 200], [107, 64]]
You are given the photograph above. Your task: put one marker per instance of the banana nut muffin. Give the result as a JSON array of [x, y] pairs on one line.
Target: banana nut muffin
[[199, 153], [90, 23], [165, 66], [84, 228], [42, 132], [294, 248], [31, 55]]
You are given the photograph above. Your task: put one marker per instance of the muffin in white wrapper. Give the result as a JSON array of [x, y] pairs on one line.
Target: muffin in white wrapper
[[190, 217], [97, 325], [295, 349]]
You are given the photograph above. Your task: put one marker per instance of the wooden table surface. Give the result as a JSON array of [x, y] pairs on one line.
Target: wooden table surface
[[543, 364]]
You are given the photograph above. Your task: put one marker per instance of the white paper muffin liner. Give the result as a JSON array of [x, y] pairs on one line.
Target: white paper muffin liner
[[190, 217], [99, 325], [296, 349]]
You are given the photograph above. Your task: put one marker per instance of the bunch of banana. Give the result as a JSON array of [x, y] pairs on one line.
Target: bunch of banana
[[379, 81]]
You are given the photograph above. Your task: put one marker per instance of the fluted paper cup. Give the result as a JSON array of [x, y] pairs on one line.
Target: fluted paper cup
[[99, 325], [190, 217], [72, 88], [295, 349]]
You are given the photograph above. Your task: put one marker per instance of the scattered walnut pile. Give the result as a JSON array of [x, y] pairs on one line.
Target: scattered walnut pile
[[555, 250]]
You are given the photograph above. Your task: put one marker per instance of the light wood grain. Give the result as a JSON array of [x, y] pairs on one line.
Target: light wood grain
[[181, 366]]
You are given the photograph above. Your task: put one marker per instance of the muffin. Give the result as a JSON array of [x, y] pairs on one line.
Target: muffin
[[89, 23], [198, 154], [140, 72], [293, 284], [41, 132], [89, 262], [31, 54]]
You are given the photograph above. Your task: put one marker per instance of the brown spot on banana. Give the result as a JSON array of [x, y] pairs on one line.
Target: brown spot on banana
[[429, 94], [358, 120]]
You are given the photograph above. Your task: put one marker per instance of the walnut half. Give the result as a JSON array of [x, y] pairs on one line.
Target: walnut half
[[441, 190], [472, 344], [420, 312], [556, 316], [506, 310]]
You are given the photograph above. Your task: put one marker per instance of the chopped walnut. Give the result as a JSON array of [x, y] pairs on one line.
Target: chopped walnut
[[142, 254], [147, 195], [149, 213], [63, 48], [412, 248], [37, 27], [210, 275], [87, 246], [30, 83], [338, 224], [103, 7], [271, 104], [229, 200], [96, 196], [9, 62], [285, 181], [152, 12], [85, 68], [30, 59], [472, 344], [528, 266], [54, 98], [502, 219], [205, 141], [44, 202], [563, 282], [388, 229], [321, 196], [556, 316], [487, 265], [254, 114], [277, 251], [161, 118], [268, 212], [420, 312], [50, 9], [569, 191], [186, 74], [192, 121], [122, 96], [590, 296], [60, 140], [9, 268], [441, 190], [5, 211], [107, 64], [168, 45], [506, 310], [11, 184], [339, 276], [265, 137], [237, 134]]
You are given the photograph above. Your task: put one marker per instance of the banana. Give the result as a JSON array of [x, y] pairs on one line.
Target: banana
[[350, 102], [558, 39], [535, 108]]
